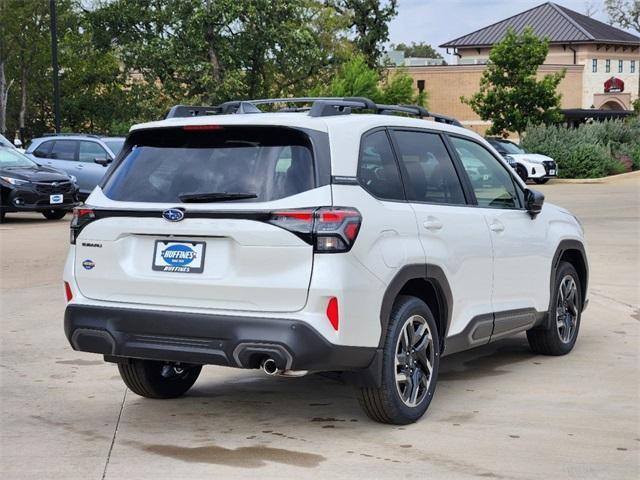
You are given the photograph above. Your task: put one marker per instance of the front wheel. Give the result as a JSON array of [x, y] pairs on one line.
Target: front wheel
[[153, 379], [522, 173], [54, 214], [411, 356], [541, 181], [564, 315]]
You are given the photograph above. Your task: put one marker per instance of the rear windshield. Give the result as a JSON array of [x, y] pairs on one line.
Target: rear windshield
[[258, 164]]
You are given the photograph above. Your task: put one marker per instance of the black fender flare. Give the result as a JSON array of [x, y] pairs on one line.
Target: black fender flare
[[563, 247], [428, 272]]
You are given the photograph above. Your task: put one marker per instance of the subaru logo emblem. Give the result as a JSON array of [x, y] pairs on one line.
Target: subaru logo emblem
[[173, 214], [55, 184]]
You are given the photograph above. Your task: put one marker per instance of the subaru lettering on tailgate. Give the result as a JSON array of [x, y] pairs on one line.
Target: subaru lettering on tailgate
[[182, 257]]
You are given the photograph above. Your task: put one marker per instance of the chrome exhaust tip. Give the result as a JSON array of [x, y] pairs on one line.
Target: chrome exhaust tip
[[269, 366]]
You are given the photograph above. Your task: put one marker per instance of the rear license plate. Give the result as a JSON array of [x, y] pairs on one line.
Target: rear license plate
[[182, 257], [552, 171], [55, 199]]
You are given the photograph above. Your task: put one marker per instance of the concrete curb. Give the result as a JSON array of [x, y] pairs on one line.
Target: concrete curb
[[621, 176]]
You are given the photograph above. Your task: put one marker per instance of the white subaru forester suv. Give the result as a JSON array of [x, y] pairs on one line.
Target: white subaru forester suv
[[316, 239]]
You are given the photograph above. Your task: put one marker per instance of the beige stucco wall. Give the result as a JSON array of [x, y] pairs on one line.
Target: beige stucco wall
[[446, 84]]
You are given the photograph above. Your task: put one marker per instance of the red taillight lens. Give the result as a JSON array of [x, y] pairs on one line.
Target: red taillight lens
[[67, 291], [332, 313], [336, 229], [81, 217], [329, 229]]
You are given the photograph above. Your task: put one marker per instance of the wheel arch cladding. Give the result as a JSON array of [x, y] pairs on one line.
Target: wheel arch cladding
[[573, 252], [429, 284]]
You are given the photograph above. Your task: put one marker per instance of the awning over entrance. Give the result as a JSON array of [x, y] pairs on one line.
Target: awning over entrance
[[576, 116]]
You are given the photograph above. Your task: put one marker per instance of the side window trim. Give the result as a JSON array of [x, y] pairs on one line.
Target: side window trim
[[466, 190], [395, 159], [509, 170]]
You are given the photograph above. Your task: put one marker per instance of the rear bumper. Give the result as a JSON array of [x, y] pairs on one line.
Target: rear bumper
[[226, 340]]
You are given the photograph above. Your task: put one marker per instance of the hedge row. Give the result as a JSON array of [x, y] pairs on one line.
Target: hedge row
[[591, 150]]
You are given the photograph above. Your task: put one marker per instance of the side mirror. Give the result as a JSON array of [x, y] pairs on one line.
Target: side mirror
[[102, 161], [533, 201]]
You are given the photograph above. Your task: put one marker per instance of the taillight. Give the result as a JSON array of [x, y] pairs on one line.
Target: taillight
[[328, 229], [67, 291], [81, 217]]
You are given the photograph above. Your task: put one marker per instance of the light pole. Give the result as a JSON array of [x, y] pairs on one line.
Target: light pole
[[54, 64]]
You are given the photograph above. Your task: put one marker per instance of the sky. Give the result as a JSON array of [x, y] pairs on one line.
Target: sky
[[438, 21]]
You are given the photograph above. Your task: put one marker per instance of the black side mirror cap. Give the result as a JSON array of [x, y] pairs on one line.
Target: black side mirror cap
[[102, 161], [533, 201]]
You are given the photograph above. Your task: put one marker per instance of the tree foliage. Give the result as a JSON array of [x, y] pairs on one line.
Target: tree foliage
[[624, 13], [421, 50], [510, 94]]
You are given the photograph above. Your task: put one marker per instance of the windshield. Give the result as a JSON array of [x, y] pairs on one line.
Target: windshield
[[114, 144], [511, 147], [234, 164], [10, 158]]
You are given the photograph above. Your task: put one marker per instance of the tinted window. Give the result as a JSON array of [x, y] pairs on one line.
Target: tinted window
[[89, 151], [161, 166], [431, 176], [492, 183], [64, 150], [378, 170], [43, 150], [114, 144]]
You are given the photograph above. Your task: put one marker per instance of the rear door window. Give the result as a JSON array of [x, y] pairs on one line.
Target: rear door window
[[430, 174], [43, 149], [163, 165], [64, 150], [378, 170]]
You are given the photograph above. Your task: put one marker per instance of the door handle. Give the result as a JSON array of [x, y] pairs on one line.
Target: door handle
[[432, 224], [496, 226]]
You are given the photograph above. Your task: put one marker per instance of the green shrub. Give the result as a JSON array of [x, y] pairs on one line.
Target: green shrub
[[589, 151]]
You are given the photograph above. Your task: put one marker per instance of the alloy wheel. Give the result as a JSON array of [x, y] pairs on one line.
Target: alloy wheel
[[567, 308], [414, 361]]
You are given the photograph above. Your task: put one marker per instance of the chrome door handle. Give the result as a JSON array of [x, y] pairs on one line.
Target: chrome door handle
[[496, 226], [432, 224]]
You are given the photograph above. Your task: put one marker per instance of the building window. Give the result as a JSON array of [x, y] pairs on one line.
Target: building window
[[633, 66], [620, 66], [594, 65], [607, 65]]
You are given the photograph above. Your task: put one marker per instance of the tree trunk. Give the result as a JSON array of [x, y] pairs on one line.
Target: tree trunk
[[4, 96], [216, 70], [23, 102]]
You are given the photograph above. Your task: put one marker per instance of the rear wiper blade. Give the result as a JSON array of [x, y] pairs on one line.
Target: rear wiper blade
[[214, 197]]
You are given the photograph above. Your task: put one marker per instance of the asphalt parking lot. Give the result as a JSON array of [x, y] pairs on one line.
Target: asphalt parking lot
[[499, 411]]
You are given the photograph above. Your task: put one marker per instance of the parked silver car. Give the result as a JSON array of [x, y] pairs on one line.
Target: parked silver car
[[84, 156]]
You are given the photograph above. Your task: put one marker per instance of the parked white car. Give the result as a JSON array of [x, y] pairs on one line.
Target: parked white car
[[319, 240], [528, 166]]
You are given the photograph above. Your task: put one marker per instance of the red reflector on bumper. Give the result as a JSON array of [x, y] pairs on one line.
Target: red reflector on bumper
[[332, 313], [68, 292]]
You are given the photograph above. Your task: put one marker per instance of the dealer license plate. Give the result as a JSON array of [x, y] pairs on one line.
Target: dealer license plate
[[181, 257]]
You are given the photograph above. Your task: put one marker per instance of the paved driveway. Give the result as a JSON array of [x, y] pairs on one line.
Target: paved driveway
[[499, 411]]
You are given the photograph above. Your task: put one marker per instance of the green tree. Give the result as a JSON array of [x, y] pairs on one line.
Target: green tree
[[624, 13], [510, 95], [422, 50], [369, 21], [356, 79]]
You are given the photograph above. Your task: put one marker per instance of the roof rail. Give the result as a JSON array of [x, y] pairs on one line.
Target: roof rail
[[68, 134], [320, 107]]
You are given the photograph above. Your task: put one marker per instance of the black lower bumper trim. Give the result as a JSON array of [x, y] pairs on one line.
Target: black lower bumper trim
[[207, 339]]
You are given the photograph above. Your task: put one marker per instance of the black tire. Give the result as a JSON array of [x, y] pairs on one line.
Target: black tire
[[385, 404], [2, 217], [522, 173], [550, 341], [145, 377], [541, 181], [54, 214]]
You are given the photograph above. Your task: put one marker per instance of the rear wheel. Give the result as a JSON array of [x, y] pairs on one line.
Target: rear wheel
[[153, 379], [411, 356], [54, 214], [541, 181], [564, 315]]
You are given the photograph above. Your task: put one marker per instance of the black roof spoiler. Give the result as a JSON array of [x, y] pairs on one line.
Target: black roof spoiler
[[320, 107]]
